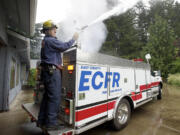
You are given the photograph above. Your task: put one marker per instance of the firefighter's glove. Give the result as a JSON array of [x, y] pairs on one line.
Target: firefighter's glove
[[76, 36]]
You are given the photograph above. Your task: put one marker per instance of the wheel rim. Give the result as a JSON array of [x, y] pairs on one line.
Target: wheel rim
[[123, 113]]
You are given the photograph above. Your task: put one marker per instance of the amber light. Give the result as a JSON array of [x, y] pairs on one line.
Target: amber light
[[70, 67]]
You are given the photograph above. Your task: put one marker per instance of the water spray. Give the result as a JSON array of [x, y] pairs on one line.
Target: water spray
[[99, 32], [115, 11]]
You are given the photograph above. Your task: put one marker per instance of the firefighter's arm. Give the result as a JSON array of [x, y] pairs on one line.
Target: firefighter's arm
[[61, 46]]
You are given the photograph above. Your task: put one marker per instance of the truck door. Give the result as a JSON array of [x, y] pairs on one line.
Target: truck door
[[141, 85], [154, 83], [148, 82], [91, 94]]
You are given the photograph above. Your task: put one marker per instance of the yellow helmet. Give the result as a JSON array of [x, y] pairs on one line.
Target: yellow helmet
[[49, 24]]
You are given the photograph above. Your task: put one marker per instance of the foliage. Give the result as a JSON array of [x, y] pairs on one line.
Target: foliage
[[141, 30], [32, 78], [142, 22], [160, 46], [36, 42], [122, 35], [175, 66], [174, 79]]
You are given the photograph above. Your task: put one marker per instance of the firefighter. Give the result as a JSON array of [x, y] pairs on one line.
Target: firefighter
[[51, 75]]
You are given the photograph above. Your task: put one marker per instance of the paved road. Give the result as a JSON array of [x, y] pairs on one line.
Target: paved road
[[154, 118]]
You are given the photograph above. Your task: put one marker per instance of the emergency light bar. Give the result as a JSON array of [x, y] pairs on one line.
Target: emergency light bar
[[138, 60]]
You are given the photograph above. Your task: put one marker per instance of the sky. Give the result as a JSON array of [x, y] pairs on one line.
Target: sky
[[55, 10]]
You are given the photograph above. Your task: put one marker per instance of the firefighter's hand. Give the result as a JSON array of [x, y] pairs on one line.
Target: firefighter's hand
[[76, 36], [60, 67]]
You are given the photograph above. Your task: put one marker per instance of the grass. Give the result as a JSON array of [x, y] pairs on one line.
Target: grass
[[174, 79]]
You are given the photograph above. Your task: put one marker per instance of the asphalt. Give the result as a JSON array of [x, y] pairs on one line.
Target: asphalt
[[154, 118]]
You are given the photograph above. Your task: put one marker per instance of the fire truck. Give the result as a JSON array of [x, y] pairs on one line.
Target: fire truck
[[97, 88]]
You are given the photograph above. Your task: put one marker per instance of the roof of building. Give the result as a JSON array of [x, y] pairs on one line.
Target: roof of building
[[20, 21]]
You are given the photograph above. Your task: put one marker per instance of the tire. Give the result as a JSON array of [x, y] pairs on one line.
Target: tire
[[159, 96], [122, 115]]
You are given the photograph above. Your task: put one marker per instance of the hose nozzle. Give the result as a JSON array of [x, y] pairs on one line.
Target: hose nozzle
[[84, 27]]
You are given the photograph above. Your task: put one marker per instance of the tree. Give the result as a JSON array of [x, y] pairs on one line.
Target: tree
[[142, 21], [176, 66], [122, 37], [175, 19], [160, 46], [36, 42], [154, 29]]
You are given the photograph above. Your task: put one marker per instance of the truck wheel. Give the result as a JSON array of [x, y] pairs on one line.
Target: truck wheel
[[159, 96], [122, 115]]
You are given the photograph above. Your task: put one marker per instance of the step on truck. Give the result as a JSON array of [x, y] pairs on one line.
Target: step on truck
[[97, 88]]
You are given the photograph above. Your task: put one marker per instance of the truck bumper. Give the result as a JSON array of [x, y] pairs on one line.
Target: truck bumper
[[33, 110]]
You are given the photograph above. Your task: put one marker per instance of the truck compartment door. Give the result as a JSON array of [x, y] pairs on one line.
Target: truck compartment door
[[141, 84], [122, 83], [91, 93]]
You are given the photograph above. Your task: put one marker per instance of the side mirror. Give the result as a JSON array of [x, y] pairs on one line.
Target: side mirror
[[152, 73], [148, 57], [157, 73]]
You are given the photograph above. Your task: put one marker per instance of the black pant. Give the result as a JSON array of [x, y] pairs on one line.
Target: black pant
[[51, 99]]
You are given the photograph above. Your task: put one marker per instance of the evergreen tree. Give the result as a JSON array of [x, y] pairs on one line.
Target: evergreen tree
[[160, 45], [128, 34], [142, 21], [122, 37]]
